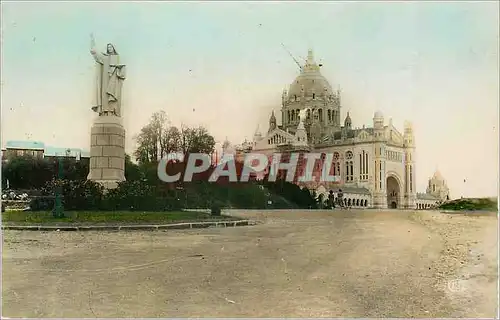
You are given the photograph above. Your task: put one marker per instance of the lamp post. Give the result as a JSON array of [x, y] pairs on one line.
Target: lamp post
[[58, 211]]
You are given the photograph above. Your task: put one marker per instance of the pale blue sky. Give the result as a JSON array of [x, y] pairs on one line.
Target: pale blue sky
[[435, 64]]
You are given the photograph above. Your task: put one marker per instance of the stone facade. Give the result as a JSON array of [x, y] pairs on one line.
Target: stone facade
[[107, 151], [374, 163]]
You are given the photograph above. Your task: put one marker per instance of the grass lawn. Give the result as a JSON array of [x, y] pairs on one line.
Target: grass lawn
[[105, 217]]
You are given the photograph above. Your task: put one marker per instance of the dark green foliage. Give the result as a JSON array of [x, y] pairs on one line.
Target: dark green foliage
[[77, 194], [132, 170], [215, 210], [303, 198], [138, 195], [28, 172], [144, 191], [471, 204], [42, 203]]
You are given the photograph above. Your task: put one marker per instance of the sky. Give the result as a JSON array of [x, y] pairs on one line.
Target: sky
[[222, 65]]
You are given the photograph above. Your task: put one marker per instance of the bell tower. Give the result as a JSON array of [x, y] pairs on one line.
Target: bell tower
[[410, 194], [380, 188]]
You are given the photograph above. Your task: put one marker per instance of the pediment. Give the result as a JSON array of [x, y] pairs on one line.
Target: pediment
[[273, 138], [363, 135]]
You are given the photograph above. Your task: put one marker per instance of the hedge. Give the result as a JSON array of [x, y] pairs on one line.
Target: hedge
[[139, 195]]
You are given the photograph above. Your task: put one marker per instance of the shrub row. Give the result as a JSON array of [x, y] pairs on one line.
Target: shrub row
[[139, 195]]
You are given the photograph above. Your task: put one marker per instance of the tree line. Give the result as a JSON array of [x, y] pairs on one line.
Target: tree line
[[159, 138]]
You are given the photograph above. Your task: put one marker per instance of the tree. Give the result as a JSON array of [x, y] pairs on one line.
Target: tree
[[196, 140], [132, 171], [151, 146], [158, 138], [170, 140]]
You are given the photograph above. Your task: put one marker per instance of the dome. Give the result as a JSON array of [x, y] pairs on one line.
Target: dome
[[310, 80], [378, 115], [438, 176]]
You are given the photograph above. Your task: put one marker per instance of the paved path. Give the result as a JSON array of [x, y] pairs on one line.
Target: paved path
[[296, 264]]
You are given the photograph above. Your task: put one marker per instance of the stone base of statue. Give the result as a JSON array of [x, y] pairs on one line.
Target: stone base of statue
[[107, 151]]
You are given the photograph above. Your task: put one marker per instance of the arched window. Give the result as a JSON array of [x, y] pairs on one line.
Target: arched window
[[314, 95], [357, 202], [349, 171], [295, 97]]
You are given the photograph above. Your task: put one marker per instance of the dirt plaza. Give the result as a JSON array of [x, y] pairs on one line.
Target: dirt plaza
[[354, 263]]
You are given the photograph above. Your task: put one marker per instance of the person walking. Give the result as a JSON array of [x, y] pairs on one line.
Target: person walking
[[340, 198], [331, 200]]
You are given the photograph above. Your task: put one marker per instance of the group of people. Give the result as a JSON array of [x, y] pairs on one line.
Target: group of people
[[339, 200]]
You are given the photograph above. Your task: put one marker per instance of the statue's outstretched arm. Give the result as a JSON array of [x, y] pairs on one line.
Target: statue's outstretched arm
[[97, 56]]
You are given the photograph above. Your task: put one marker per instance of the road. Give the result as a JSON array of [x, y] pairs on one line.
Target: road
[[295, 264]]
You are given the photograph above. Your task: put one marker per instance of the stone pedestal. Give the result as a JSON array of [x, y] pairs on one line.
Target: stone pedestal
[[107, 151]]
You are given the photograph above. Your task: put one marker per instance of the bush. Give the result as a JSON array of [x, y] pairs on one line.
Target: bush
[[139, 195], [471, 204], [77, 194], [215, 210], [42, 203], [25, 172], [303, 198]]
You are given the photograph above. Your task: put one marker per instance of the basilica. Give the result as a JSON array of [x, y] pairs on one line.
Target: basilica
[[375, 163]]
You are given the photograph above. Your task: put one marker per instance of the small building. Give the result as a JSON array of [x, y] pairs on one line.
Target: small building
[[437, 192], [438, 187], [69, 153], [23, 148], [40, 150]]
